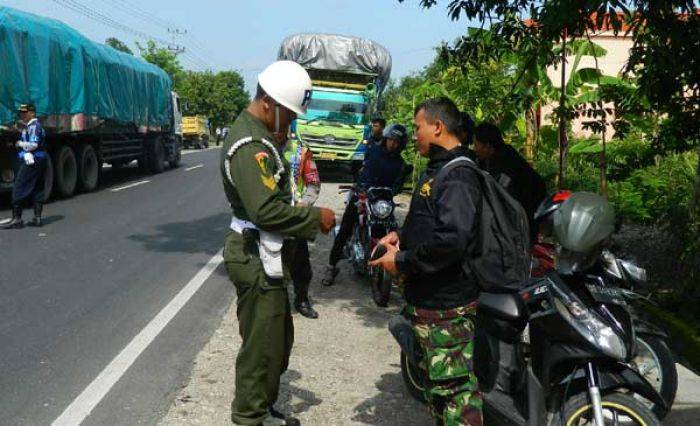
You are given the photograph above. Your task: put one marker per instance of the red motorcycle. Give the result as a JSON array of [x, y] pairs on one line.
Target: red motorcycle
[[375, 208]]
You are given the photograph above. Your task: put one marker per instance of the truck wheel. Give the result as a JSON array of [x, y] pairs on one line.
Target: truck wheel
[[156, 157], [88, 168], [48, 179], [177, 157], [65, 172]]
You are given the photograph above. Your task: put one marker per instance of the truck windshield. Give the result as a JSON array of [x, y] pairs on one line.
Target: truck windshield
[[338, 107]]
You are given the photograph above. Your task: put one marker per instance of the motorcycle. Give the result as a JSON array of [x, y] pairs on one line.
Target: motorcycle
[[574, 371], [375, 208], [653, 358]]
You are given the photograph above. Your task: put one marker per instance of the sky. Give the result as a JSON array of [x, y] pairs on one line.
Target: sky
[[245, 35]]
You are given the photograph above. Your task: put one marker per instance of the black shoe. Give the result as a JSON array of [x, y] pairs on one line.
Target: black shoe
[[329, 276], [304, 308], [288, 421], [38, 207], [16, 221]]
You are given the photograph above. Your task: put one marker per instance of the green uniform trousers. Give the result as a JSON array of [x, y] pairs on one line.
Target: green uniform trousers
[[447, 340], [265, 326]]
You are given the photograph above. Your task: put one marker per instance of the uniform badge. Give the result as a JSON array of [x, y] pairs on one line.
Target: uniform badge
[[426, 188], [263, 161]]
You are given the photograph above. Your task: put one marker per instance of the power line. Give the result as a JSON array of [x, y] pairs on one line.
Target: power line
[[132, 10], [104, 19]]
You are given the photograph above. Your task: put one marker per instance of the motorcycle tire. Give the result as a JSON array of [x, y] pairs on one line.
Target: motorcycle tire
[[414, 377], [578, 411], [662, 373], [381, 287]]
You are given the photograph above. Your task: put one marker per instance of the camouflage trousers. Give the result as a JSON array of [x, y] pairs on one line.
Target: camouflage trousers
[[446, 338]]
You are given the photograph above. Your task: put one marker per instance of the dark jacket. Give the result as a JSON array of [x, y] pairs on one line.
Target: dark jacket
[[512, 171], [438, 232], [381, 167]]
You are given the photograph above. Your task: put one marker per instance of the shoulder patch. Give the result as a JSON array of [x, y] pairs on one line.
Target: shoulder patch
[[263, 160], [427, 188]]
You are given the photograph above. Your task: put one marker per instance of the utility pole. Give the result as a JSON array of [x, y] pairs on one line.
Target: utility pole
[[176, 48]]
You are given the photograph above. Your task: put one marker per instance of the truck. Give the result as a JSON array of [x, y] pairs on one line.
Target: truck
[[97, 105], [195, 131], [348, 76]]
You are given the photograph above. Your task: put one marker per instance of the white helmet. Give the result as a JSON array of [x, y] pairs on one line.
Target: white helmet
[[288, 83]]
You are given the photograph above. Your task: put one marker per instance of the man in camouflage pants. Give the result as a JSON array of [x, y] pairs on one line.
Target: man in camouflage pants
[[429, 254]]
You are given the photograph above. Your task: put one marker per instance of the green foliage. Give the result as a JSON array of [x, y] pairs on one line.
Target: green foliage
[[163, 58], [221, 96], [661, 193], [119, 45]]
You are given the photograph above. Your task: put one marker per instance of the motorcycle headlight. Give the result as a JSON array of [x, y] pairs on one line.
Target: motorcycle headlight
[[592, 327], [382, 208]]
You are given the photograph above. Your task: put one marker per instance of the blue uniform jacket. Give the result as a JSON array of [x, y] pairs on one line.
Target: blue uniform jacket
[[33, 134]]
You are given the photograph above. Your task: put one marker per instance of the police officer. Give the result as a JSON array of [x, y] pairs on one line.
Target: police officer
[[306, 187], [440, 294], [29, 182], [256, 182]]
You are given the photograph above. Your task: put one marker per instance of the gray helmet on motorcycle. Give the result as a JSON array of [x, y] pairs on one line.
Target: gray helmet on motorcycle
[[581, 224], [396, 132]]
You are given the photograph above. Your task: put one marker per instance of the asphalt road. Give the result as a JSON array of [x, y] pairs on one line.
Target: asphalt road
[[75, 292]]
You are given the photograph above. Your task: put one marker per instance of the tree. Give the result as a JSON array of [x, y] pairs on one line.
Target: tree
[[163, 58], [664, 58], [119, 45], [220, 97]]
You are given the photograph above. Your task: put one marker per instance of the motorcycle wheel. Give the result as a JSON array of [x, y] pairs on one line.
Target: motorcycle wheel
[[381, 286], [654, 361], [618, 409], [414, 377]]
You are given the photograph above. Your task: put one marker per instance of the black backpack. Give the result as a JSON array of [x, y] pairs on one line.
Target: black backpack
[[501, 259]]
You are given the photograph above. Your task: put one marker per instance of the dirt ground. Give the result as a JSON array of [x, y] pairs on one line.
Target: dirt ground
[[344, 368]]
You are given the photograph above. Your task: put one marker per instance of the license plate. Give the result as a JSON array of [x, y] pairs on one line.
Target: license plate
[[606, 294], [327, 156]]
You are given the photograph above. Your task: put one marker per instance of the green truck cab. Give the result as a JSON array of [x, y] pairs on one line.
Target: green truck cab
[[348, 74], [336, 124]]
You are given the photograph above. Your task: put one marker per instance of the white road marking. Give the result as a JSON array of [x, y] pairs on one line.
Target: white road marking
[[83, 405], [129, 186], [4, 221], [194, 151], [194, 167]]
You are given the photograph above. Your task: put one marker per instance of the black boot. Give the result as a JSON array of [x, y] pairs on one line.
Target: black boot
[[16, 221], [303, 306], [280, 419], [37, 215]]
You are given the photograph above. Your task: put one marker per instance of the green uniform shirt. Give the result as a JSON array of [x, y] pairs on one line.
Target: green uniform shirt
[[249, 183]]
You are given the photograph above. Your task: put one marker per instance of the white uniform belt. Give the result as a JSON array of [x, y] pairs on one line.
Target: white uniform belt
[[239, 225]]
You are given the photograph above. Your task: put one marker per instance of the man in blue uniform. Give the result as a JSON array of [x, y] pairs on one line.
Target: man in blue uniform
[[29, 182]]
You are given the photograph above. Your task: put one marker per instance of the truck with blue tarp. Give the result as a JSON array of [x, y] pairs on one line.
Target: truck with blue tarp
[[96, 104], [348, 76]]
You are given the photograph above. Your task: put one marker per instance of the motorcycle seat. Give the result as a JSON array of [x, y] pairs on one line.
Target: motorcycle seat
[[508, 307]]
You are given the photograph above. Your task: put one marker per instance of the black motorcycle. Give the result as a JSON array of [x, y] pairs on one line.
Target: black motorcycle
[[375, 208], [653, 357], [575, 369]]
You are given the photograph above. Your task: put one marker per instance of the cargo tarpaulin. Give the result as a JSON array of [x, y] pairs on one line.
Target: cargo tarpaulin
[[49, 64], [338, 53]]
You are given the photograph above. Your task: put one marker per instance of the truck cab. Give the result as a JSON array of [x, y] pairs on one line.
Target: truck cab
[[336, 124]]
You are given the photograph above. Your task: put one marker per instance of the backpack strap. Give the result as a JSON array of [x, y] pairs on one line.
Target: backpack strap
[[452, 164]]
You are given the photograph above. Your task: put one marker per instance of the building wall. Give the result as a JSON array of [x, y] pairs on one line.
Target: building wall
[[611, 64]]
